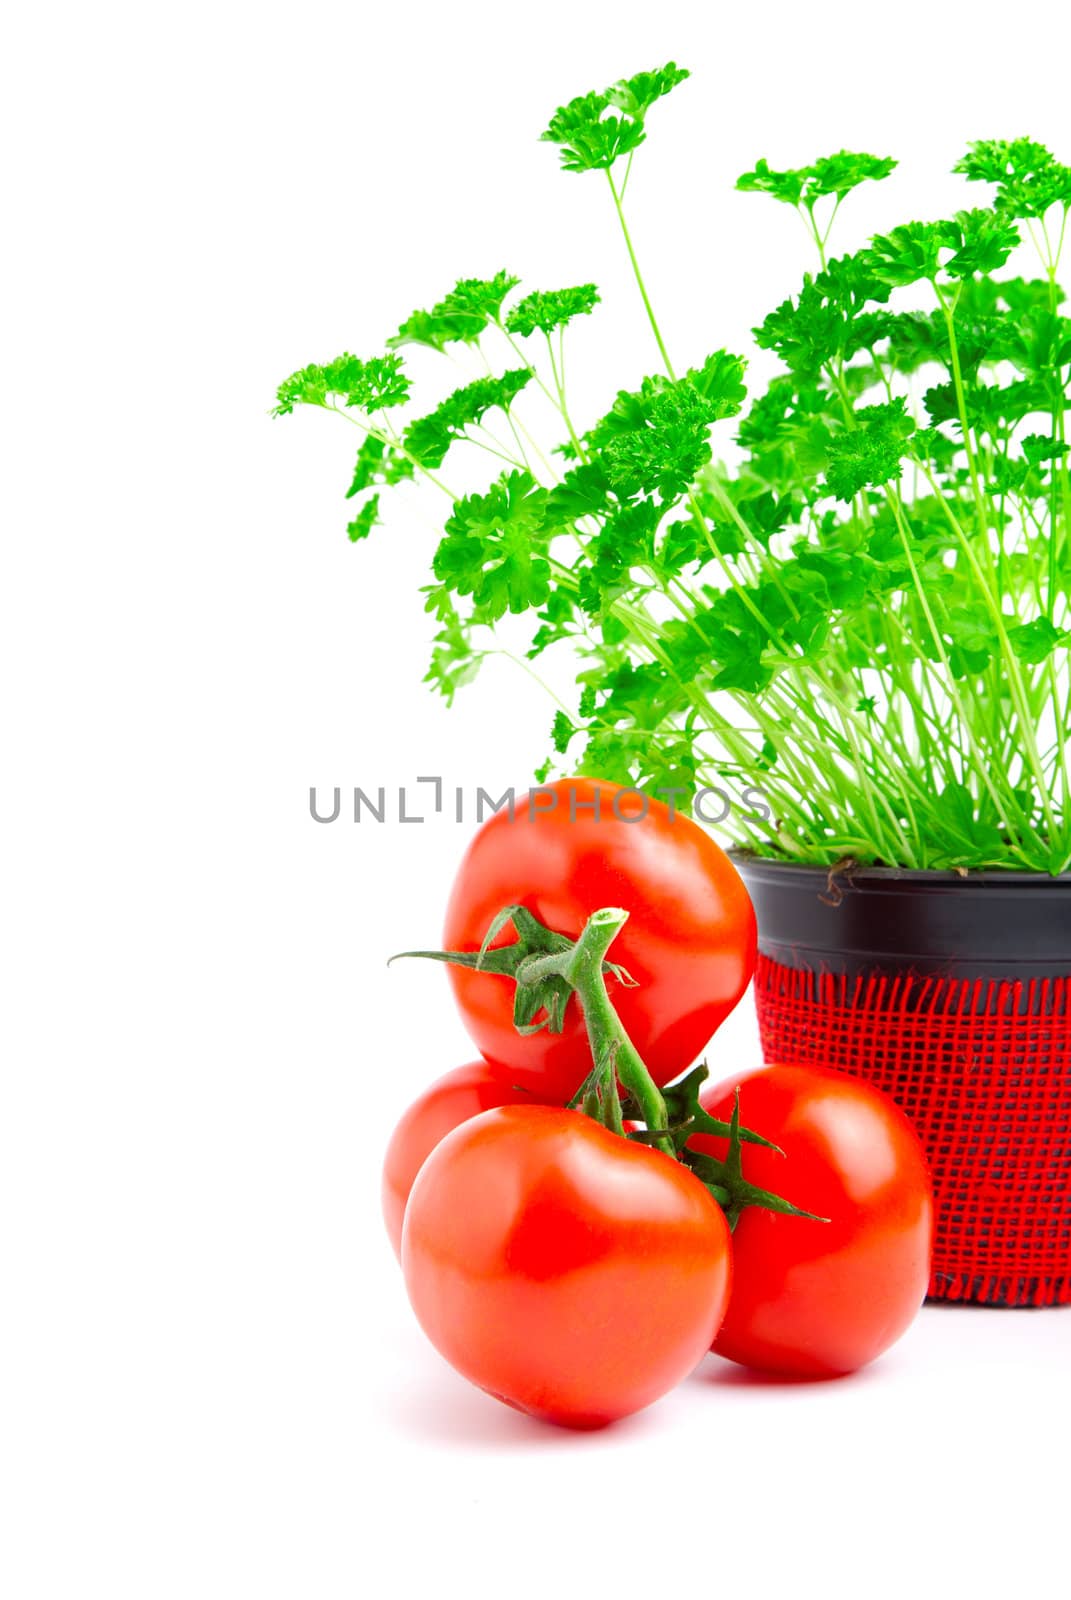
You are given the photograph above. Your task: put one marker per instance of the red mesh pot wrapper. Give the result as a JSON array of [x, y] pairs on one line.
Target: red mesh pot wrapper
[[983, 1069]]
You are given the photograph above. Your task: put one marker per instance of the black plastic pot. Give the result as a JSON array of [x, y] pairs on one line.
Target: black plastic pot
[[987, 925], [953, 995]]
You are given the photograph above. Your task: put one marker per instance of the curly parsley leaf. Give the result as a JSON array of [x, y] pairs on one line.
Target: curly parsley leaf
[[371, 385], [666, 450], [980, 241], [561, 733], [595, 129], [869, 453], [378, 462], [908, 254], [827, 320], [719, 382], [786, 185], [427, 439], [656, 438], [494, 548], [460, 316], [556, 619], [548, 309], [365, 520], [583, 492], [625, 540], [830, 175], [454, 660], [1028, 177], [969, 242]]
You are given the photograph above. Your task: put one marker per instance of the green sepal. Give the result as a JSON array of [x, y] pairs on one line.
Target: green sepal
[[550, 995], [726, 1177], [687, 1116]]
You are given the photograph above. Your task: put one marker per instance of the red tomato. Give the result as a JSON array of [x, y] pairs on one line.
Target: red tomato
[[814, 1299], [689, 941], [451, 1100], [561, 1268]]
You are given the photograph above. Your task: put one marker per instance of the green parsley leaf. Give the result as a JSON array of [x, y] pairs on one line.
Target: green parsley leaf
[[494, 548], [378, 462], [830, 175], [1037, 447], [720, 383], [551, 308], [561, 733], [666, 450], [460, 316], [1029, 179], [583, 492], [839, 174], [626, 540], [365, 520], [981, 241], [972, 641], [595, 129], [1034, 642], [786, 186], [963, 815], [454, 660], [658, 436], [428, 438], [557, 620], [907, 254], [869, 453], [371, 385]]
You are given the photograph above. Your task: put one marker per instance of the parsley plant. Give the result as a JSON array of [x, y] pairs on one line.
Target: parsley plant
[[868, 616]]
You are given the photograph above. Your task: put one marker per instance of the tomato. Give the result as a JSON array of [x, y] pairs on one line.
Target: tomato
[[815, 1299], [689, 942], [451, 1100], [561, 1268]]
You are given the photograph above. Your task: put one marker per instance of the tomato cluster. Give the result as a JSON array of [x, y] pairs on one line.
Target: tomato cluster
[[577, 1266]]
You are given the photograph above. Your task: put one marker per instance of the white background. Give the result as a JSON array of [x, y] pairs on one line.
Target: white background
[[212, 1382]]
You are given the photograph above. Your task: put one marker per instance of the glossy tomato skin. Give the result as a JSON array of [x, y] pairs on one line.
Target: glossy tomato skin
[[817, 1299], [561, 1268], [689, 941], [450, 1100]]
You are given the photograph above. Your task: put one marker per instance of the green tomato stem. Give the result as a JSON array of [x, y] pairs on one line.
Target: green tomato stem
[[582, 968]]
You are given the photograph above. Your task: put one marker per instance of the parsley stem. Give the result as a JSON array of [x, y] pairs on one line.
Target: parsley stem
[[517, 661], [391, 439], [935, 632], [496, 447], [556, 400], [1011, 661], [559, 384], [663, 352]]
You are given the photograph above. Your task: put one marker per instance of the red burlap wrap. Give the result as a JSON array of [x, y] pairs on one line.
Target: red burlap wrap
[[983, 1069]]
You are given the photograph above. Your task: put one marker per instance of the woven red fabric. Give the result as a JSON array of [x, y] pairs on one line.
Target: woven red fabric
[[983, 1069]]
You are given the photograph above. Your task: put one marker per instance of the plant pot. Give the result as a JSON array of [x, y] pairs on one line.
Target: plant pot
[[954, 996]]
